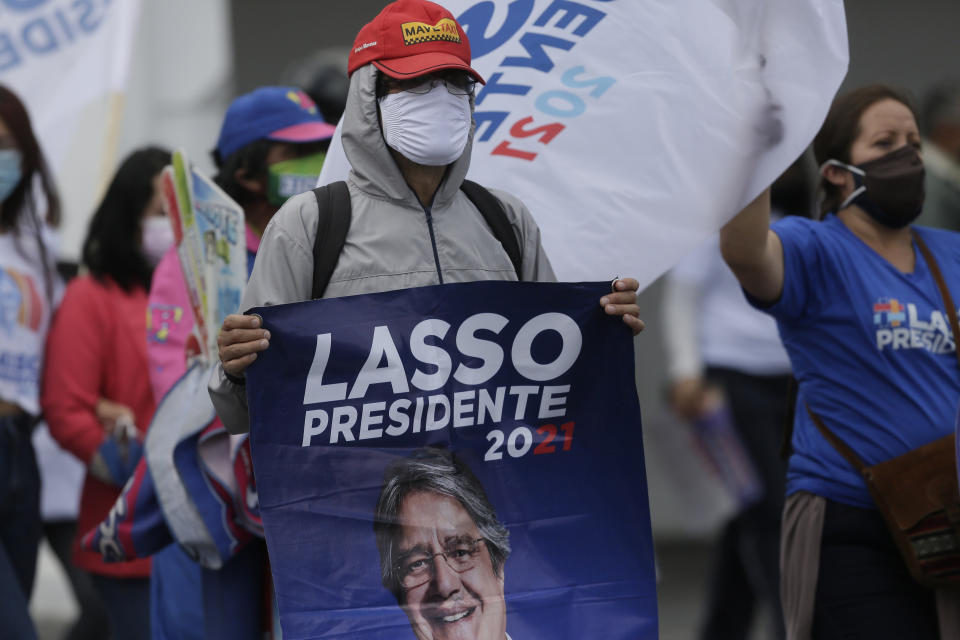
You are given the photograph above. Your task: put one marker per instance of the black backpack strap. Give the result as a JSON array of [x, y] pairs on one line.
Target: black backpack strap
[[492, 211], [333, 222]]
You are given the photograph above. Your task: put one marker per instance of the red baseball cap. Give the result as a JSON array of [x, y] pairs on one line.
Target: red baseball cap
[[411, 38]]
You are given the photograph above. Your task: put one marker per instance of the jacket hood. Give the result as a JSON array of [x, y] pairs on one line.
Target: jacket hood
[[373, 169]]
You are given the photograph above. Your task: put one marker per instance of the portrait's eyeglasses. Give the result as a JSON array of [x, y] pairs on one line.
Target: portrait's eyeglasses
[[418, 568], [457, 82]]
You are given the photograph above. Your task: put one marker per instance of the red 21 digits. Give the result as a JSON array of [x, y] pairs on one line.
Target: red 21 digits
[[521, 440]]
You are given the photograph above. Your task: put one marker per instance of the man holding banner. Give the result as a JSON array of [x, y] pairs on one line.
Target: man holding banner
[[408, 133]]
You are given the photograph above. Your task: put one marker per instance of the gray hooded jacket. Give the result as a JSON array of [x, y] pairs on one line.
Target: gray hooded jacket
[[393, 242]]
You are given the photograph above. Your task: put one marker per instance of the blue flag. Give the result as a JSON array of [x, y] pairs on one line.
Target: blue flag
[[454, 461]]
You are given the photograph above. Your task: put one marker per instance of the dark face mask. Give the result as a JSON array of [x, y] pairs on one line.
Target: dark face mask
[[890, 188]]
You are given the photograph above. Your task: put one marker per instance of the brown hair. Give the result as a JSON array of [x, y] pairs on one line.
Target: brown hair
[[15, 116], [841, 129], [20, 205]]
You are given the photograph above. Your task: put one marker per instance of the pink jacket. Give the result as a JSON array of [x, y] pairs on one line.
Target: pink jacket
[[170, 320]]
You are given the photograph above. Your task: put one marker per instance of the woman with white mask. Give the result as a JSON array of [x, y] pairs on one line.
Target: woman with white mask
[[96, 390]]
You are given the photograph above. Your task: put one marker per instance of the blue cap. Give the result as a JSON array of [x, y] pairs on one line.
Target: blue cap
[[283, 114]]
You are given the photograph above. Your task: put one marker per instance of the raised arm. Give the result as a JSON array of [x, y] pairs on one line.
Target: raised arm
[[754, 252]]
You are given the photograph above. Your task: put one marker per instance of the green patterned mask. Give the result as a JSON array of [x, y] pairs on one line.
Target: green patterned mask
[[290, 177]]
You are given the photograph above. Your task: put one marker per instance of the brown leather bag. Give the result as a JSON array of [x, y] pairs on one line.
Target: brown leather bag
[[917, 492]]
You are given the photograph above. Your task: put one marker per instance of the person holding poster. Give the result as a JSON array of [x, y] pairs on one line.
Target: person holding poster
[[861, 311], [96, 395], [29, 290], [407, 131]]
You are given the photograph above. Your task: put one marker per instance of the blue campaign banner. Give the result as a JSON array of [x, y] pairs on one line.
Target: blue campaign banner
[[455, 461]]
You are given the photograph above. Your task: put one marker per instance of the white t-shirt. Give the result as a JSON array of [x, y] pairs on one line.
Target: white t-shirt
[[24, 315], [708, 321]]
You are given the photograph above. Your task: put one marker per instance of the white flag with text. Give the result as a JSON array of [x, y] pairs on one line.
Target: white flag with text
[[633, 129], [68, 61]]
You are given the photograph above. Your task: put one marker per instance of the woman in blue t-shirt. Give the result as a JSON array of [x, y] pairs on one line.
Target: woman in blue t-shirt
[[864, 324]]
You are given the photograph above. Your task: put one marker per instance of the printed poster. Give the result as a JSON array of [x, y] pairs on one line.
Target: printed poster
[[454, 461], [211, 244]]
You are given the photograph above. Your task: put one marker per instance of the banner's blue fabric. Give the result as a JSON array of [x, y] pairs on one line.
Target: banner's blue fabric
[[385, 403]]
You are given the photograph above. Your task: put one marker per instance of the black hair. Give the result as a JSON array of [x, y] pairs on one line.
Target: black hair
[[112, 248], [251, 159], [382, 86]]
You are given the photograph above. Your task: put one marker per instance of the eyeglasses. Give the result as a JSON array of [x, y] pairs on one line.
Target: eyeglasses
[[418, 568], [457, 82]]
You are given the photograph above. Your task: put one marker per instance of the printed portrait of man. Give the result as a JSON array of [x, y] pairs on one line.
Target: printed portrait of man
[[442, 548]]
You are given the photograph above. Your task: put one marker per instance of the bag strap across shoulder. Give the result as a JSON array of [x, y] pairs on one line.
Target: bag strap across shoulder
[[838, 444], [831, 437], [333, 221], [944, 290], [492, 211]]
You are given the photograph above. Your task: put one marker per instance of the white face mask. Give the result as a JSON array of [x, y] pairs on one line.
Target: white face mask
[[428, 128], [157, 238]]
